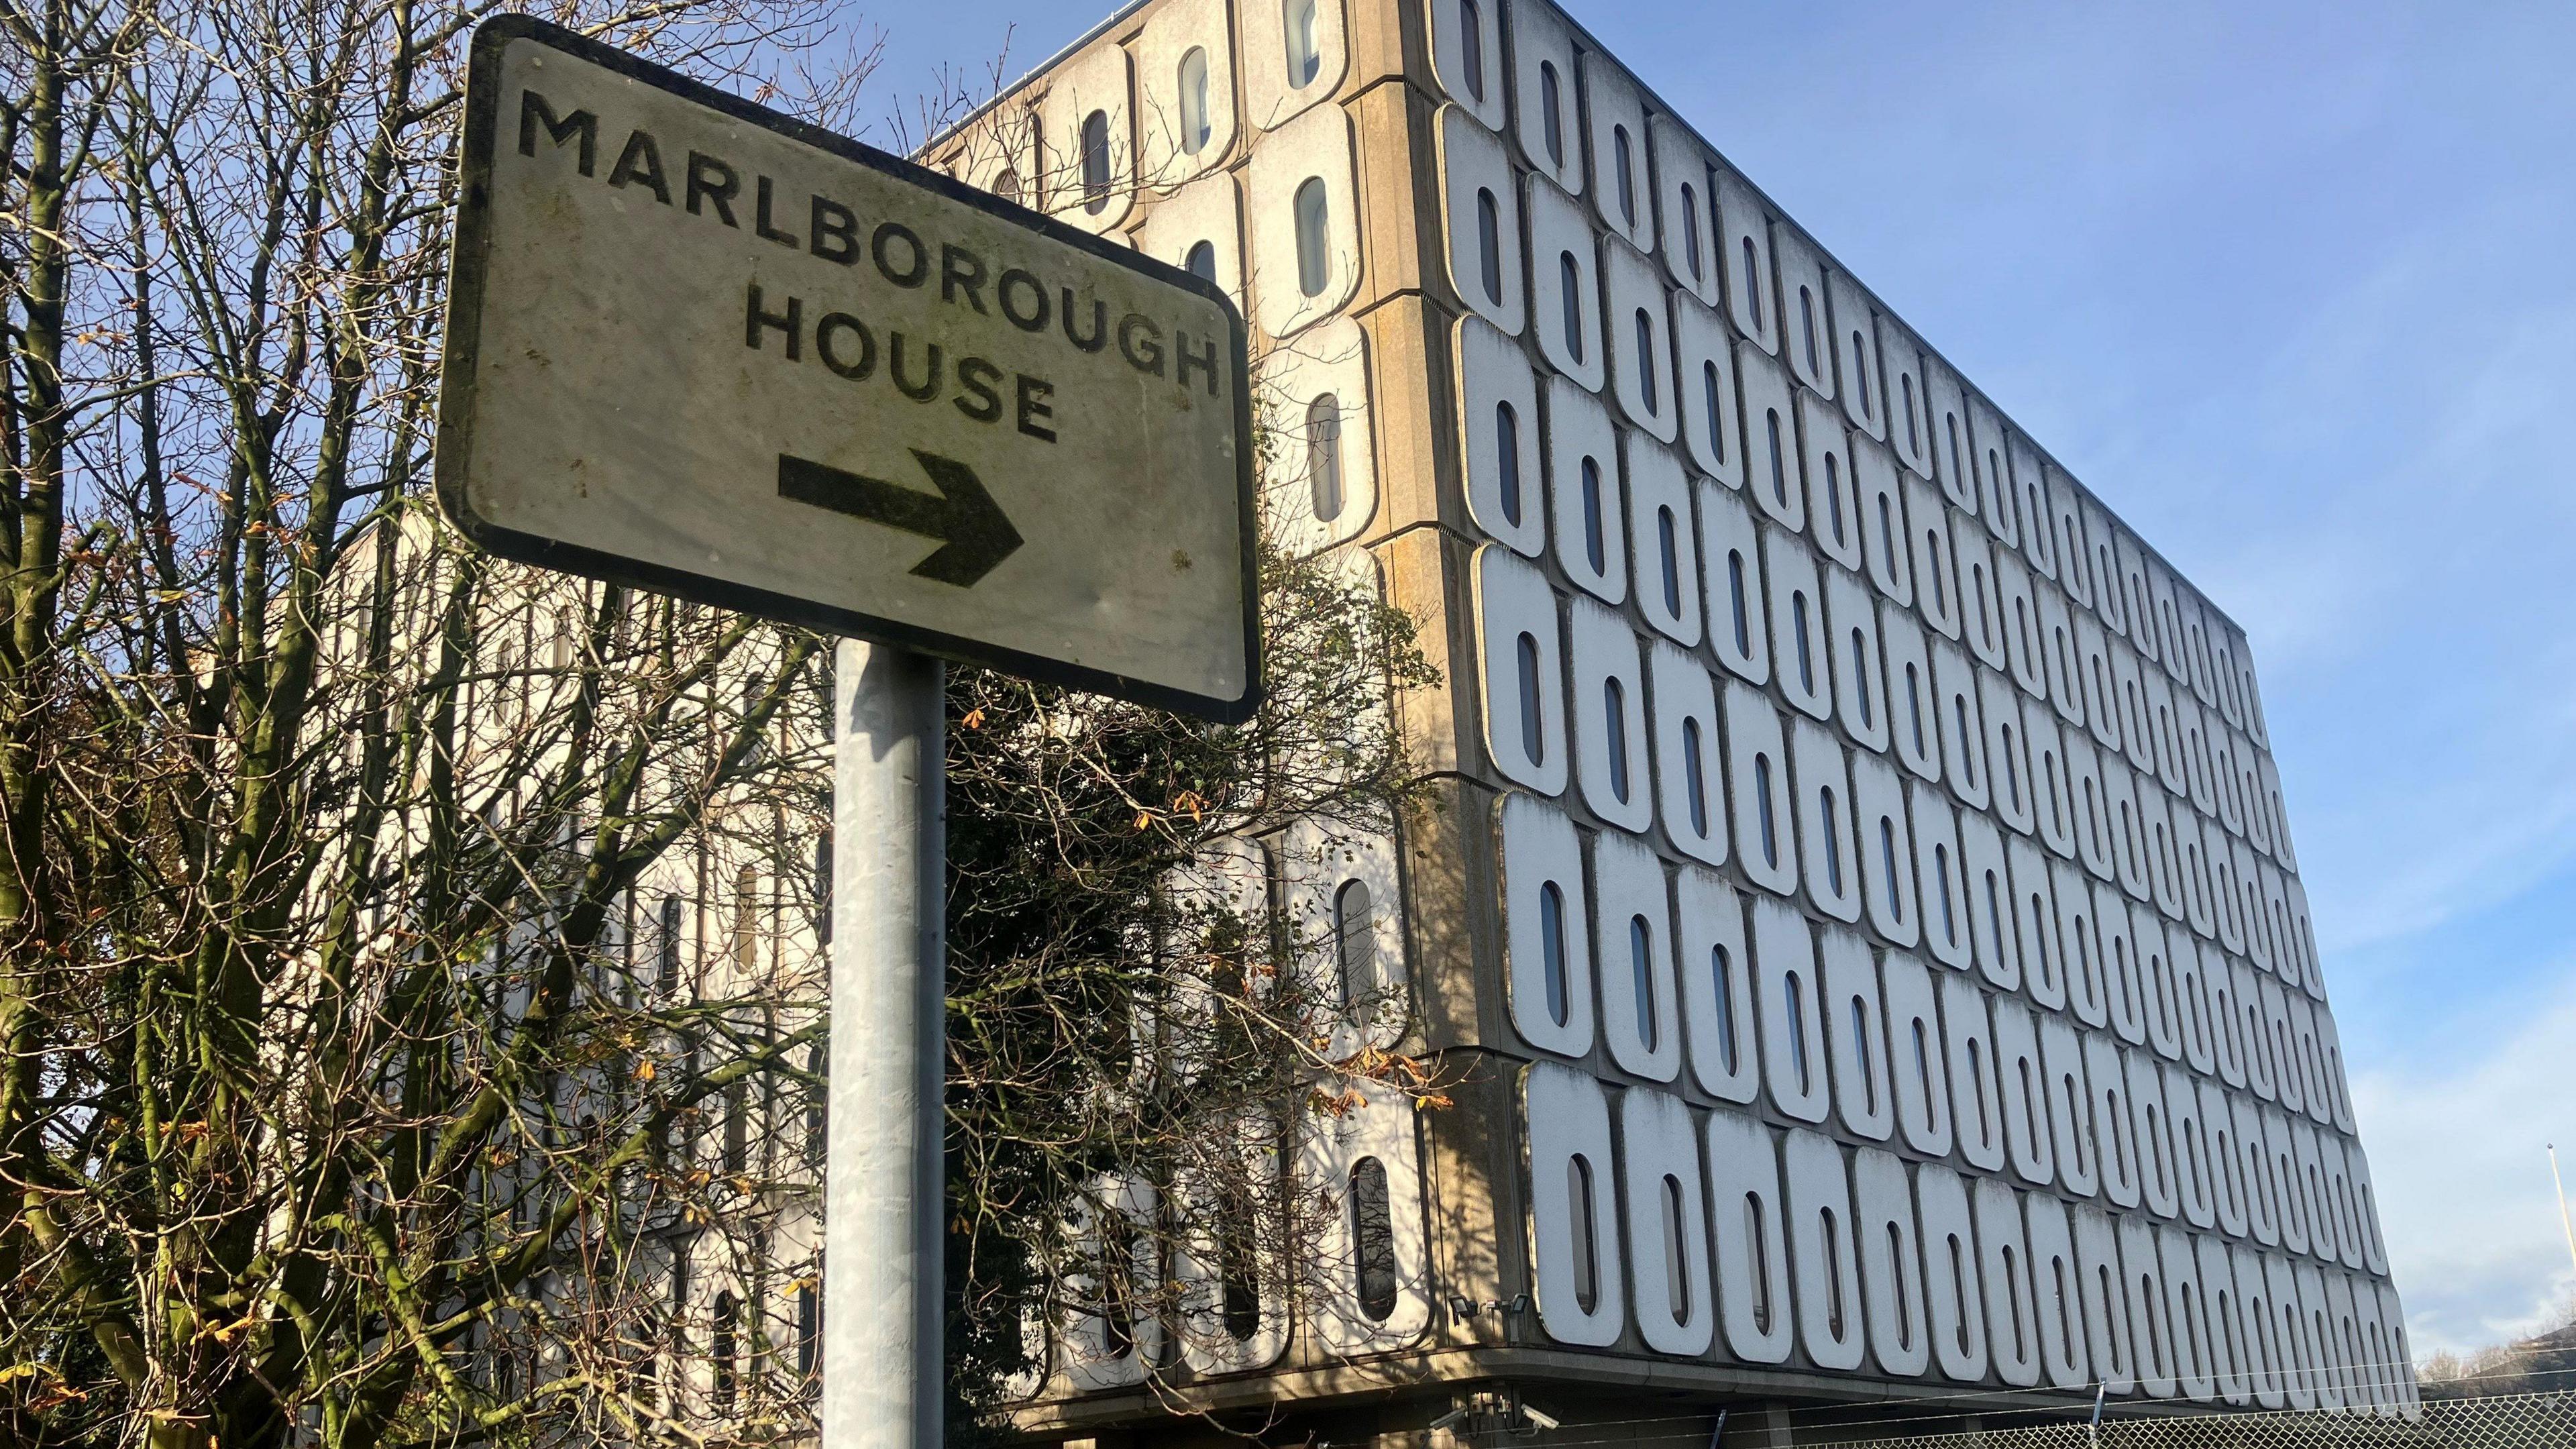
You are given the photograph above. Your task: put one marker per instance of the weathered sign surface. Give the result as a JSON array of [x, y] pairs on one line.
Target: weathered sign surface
[[701, 347]]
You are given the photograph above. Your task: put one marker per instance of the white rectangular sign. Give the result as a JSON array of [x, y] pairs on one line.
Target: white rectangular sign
[[700, 347]]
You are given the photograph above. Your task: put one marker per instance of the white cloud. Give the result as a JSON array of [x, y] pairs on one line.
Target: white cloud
[[2472, 1226]]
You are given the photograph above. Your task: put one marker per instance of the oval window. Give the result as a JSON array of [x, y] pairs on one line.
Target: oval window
[[1372, 1239], [1489, 245], [1303, 20], [1095, 162], [1314, 260], [1507, 451], [1201, 262], [1324, 457], [1196, 128], [1355, 943]]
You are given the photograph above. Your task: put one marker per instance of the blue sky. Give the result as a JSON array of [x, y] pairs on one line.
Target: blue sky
[[2290, 286]]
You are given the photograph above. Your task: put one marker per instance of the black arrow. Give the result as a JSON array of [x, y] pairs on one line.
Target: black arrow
[[977, 534]]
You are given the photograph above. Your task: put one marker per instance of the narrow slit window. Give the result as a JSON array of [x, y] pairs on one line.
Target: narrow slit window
[[1201, 261], [1712, 390], [1646, 362], [1614, 735], [1533, 736], [1837, 1323], [1779, 459], [1324, 457], [1676, 1259], [1668, 551], [1752, 283], [1304, 26], [1860, 372], [1507, 460], [1694, 784], [1690, 231], [1762, 808], [1887, 850], [1736, 598], [1624, 157], [1757, 1246], [1914, 708], [1095, 162], [1834, 497], [1796, 1004], [1314, 251], [1471, 49], [1373, 1239], [1923, 1073], [1596, 540], [1489, 244], [1833, 841], [1196, 127], [1569, 277], [1641, 969], [1807, 319], [1861, 1055], [1721, 970], [1913, 432], [1581, 1221], [1860, 679], [1806, 652], [1985, 1109], [1355, 944], [1551, 105], [1552, 949], [1949, 912], [1887, 529], [1959, 1287]]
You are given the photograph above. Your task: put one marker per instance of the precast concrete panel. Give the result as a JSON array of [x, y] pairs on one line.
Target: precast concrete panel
[[2229, 1357], [1833, 497], [1716, 986], [1997, 507], [2258, 1172], [2053, 806], [1747, 1211], [2023, 646], [2187, 1308], [2124, 973], [1914, 709], [2325, 1363], [2150, 1325], [2029, 1144], [1789, 997], [1499, 438], [2271, 1358], [2198, 905], [1087, 133], [1771, 440], [2294, 1338], [2057, 641], [1941, 877], [1623, 194], [1861, 701], [1962, 726], [1823, 1262], [1181, 140], [1886, 851], [2105, 1303], [1609, 715], [1690, 778], [1909, 400], [2316, 1193], [2273, 1026], [1974, 1059], [1565, 284], [1744, 241], [2101, 704], [1918, 1068], [1806, 323], [1686, 232], [1830, 859], [2003, 1260], [1208, 210], [2063, 1352], [2068, 1106], [1467, 56], [2172, 1019], [2316, 1089], [2015, 800], [1587, 508], [1339, 889], [1856, 1036], [1286, 76], [1637, 315], [1335, 1150], [1859, 376], [1991, 928], [1667, 1223], [2195, 1196], [2280, 820], [1573, 1216], [1936, 561], [2393, 1313], [1797, 607], [2087, 989], [2230, 1193], [2137, 733], [2366, 1209], [1632, 946], [2034, 914], [2066, 539], [1219, 1240], [1482, 209], [2164, 861], [1547, 114], [2226, 1021], [2137, 597], [1757, 782], [1315, 147], [1954, 1308], [2158, 1175], [2093, 835], [2289, 1188], [1524, 683], [2030, 502], [1891, 1263], [1317, 402], [2378, 1372], [1119, 1257], [1954, 443], [1730, 554], [2354, 1372], [1546, 970], [1704, 368], [1662, 539], [2170, 647]]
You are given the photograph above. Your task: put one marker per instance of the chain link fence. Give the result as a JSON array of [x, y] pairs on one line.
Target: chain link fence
[[2515, 1421]]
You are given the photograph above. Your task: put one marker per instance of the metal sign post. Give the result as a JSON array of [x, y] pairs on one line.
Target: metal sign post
[[700, 347], [882, 1173]]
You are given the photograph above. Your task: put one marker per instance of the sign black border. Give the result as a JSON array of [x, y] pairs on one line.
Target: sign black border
[[463, 347]]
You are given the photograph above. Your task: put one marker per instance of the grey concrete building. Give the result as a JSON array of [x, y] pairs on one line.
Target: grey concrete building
[[1858, 906]]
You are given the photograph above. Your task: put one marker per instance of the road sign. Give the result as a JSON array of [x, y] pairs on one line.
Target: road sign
[[704, 348]]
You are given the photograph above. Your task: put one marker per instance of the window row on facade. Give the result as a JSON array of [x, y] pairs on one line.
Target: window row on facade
[[2161, 1079], [1970, 784], [1240, 1281], [1585, 290], [1713, 1233], [1551, 475]]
